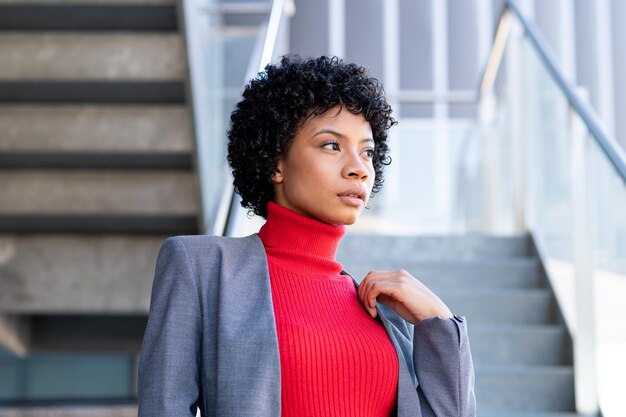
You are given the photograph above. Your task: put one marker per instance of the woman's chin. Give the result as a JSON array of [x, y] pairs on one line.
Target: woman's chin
[[346, 220]]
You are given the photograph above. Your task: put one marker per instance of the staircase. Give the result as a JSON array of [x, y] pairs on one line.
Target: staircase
[[520, 345], [95, 140], [96, 153], [96, 170]]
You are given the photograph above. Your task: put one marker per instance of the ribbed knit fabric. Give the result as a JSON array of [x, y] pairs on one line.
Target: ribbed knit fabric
[[335, 359]]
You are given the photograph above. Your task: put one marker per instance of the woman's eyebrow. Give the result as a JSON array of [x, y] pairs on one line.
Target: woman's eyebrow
[[340, 135], [332, 132]]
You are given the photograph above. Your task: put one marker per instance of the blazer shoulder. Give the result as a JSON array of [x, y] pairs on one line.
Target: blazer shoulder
[[206, 244], [218, 254]]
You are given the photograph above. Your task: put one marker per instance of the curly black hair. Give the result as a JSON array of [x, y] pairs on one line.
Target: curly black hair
[[275, 105]]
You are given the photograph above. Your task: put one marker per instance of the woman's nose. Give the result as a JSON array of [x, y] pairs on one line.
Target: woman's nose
[[355, 167]]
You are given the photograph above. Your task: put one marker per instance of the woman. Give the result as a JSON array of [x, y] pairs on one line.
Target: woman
[[269, 324]]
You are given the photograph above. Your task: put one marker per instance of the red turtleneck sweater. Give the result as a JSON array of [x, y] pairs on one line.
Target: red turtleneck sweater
[[335, 359]]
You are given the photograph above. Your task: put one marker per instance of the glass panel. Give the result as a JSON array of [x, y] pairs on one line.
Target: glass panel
[[424, 185], [416, 45], [463, 110], [219, 55], [536, 125], [415, 110], [607, 202], [75, 375], [545, 130], [66, 376], [229, 55], [607, 212]]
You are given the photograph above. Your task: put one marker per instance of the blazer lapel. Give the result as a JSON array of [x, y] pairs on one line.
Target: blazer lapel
[[408, 401], [249, 362]]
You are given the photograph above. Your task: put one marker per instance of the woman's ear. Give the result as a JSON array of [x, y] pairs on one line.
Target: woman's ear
[[277, 178]]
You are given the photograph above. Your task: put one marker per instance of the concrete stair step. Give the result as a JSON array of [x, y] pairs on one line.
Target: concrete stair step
[[92, 92], [95, 333], [181, 224], [153, 15], [522, 359], [101, 128], [91, 56], [519, 272], [501, 306], [71, 274], [96, 160], [519, 345], [85, 2], [524, 388], [95, 137], [356, 248], [530, 414], [126, 410], [55, 192]]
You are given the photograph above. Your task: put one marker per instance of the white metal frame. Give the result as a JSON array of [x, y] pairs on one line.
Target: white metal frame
[[336, 27]]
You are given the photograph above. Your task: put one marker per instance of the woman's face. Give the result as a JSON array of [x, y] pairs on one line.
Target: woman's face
[[328, 172]]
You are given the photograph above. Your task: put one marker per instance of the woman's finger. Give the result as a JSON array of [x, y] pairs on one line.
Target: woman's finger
[[390, 291], [399, 276], [405, 294]]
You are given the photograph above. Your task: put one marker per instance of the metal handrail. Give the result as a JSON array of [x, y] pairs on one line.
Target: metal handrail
[[261, 56], [607, 143], [580, 228]]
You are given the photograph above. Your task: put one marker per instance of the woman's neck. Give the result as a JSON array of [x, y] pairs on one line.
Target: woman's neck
[[296, 241]]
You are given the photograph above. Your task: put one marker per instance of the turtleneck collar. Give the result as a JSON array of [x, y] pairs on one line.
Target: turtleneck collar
[[304, 243]]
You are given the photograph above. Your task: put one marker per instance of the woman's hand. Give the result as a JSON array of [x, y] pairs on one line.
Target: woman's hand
[[402, 292]]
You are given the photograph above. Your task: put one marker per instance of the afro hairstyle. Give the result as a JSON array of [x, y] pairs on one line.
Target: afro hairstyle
[[279, 100]]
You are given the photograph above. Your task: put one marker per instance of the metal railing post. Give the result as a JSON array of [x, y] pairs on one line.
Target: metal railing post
[[518, 134], [487, 113], [585, 373]]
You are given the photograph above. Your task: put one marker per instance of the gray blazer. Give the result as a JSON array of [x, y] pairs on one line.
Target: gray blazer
[[211, 340]]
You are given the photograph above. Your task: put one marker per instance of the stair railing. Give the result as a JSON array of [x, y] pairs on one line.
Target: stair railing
[[548, 159], [220, 211], [231, 219]]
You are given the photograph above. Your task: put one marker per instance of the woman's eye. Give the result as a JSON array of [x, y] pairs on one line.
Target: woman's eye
[[369, 153], [333, 146]]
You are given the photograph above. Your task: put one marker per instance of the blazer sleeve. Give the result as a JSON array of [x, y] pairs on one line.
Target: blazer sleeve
[[169, 370], [444, 367]]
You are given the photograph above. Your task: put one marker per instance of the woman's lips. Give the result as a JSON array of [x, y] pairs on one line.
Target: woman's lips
[[351, 200], [354, 196]]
